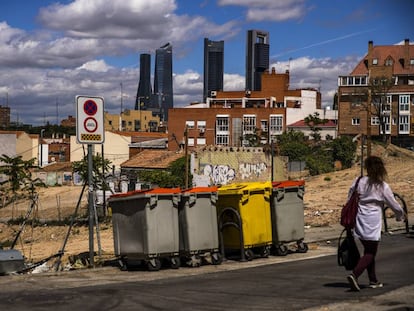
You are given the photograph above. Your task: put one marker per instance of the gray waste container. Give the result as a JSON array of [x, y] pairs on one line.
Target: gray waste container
[[198, 225], [287, 215], [11, 260], [145, 226]]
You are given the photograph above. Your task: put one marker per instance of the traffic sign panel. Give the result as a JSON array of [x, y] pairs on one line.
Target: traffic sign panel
[[90, 127]]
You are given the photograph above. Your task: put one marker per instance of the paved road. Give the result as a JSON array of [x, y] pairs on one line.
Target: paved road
[[295, 282]]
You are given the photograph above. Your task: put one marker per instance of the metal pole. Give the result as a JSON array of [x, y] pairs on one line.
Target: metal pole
[[90, 205], [186, 156], [41, 147]]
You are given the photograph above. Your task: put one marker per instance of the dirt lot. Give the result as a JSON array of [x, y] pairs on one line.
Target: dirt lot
[[324, 195]]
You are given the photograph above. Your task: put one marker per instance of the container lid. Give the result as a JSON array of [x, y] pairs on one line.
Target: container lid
[[241, 188], [144, 192], [201, 189], [288, 183]]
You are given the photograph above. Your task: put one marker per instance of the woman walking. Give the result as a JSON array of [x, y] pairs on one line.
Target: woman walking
[[374, 193]]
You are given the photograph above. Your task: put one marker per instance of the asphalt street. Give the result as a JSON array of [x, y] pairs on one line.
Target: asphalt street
[[310, 281]]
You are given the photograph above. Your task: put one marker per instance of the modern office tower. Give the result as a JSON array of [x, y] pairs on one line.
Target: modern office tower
[[163, 84], [213, 67], [257, 58], [144, 91]]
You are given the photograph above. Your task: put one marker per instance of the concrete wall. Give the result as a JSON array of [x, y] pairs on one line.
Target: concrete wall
[[220, 166]]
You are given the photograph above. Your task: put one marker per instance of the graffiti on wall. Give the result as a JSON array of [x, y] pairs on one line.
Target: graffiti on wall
[[221, 166], [248, 170], [219, 174]]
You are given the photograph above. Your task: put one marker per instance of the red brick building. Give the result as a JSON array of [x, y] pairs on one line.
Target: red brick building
[[231, 118], [364, 108]]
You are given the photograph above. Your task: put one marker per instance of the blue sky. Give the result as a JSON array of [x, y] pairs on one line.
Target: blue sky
[[52, 51]]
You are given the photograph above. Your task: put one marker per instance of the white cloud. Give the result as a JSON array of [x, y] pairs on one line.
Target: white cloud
[[95, 65], [270, 10]]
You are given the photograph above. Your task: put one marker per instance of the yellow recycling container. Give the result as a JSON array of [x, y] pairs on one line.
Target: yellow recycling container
[[244, 217]]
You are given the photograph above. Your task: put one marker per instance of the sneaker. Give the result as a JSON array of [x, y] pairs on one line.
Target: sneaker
[[353, 283], [375, 284]]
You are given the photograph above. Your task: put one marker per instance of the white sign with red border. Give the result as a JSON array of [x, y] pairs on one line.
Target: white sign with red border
[[90, 127]]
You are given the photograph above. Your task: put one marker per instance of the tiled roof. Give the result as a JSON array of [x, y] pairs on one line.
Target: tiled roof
[[382, 52], [152, 159]]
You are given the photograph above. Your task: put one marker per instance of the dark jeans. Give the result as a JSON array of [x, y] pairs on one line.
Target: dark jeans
[[367, 261]]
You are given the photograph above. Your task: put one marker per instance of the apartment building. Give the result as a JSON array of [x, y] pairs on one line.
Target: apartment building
[[377, 97], [244, 118]]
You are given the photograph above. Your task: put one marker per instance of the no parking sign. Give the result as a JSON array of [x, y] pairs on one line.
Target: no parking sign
[[90, 120]]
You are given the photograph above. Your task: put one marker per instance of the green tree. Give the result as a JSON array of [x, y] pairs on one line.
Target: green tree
[[19, 181], [343, 150], [100, 167], [174, 176], [314, 122]]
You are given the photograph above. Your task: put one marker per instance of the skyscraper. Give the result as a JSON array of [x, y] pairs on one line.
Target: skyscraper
[[144, 91], [257, 58], [213, 67], [163, 84]]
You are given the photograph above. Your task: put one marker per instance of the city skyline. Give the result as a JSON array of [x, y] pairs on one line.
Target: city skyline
[[52, 52]]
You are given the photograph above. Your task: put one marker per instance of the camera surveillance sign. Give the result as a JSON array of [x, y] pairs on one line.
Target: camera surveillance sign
[[90, 120]]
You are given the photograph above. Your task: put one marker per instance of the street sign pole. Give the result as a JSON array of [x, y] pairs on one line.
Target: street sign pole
[[91, 206], [90, 129]]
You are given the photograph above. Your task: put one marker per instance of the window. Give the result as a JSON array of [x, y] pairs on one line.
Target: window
[[388, 62], [412, 61], [249, 124], [222, 130], [386, 120], [404, 125], [404, 103], [275, 125], [375, 61], [201, 125], [189, 124], [201, 141], [222, 140], [356, 121], [190, 141], [375, 121], [222, 124]]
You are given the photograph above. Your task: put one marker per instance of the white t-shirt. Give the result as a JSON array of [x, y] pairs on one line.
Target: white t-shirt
[[372, 200]]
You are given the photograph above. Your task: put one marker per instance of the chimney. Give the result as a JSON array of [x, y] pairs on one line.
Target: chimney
[[370, 46], [407, 51]]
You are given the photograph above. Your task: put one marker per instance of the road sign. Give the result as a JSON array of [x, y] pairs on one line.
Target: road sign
[[90, 127]]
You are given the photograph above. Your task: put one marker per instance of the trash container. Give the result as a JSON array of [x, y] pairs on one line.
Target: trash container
[[145, 226], [244, 218], [287, 215], [198, 226]]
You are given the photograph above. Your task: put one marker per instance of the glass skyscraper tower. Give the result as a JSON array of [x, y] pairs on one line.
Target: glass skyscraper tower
[[213, 67], [144, 92], [163, 84], [257, 58]]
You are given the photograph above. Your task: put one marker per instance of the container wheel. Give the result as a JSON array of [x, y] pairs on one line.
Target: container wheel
[[123, 264], [249, 254], [175, 262], [281, 250], [154, 264], [216, 259], [264, 252], [302, 247]]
